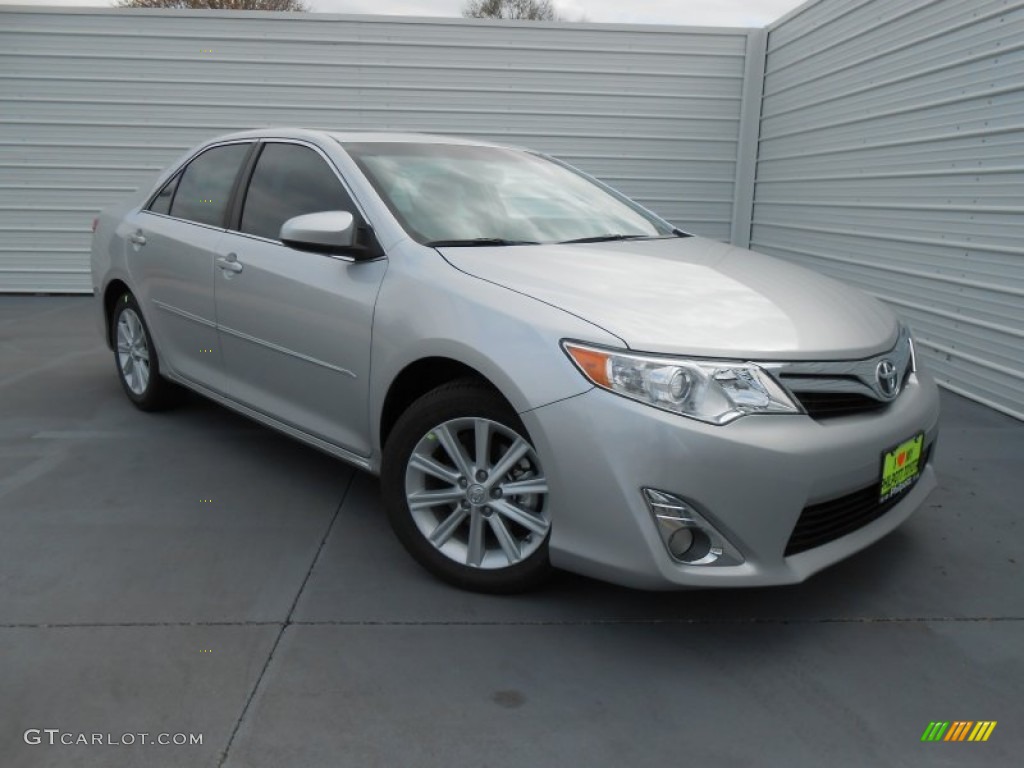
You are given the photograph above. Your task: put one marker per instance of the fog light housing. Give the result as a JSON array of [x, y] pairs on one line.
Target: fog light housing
[[688, 536]]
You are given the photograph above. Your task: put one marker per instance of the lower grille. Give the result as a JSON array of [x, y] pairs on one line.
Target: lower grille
[[821, 523]]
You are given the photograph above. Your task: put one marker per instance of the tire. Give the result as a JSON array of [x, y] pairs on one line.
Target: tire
[[136, 359], [479, 522]]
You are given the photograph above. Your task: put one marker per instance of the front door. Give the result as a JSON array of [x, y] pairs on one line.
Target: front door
[[294, 326]]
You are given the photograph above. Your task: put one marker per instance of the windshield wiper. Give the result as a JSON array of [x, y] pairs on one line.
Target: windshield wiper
[[477, 241], [605, 238]]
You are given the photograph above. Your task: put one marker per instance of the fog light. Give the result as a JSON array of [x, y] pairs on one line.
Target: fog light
[[680, 541], [689, 538]]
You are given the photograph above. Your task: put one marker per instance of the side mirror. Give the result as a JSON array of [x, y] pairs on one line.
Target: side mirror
[[325, 232]]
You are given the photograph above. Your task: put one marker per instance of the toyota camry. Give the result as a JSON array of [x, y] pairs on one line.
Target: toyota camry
[[543, 373]]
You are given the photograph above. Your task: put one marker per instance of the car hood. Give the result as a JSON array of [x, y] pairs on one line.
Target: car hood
[[692, 296]]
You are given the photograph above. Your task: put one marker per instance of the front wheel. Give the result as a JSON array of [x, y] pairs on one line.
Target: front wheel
[[465, 491]]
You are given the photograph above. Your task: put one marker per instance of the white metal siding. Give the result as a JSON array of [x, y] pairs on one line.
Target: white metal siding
[[94, 102], [891, 155]]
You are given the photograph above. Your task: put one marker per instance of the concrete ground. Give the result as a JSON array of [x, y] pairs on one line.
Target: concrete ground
[[191, 572]]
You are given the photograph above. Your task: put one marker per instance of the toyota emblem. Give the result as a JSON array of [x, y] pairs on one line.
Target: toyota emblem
[[888, 379]]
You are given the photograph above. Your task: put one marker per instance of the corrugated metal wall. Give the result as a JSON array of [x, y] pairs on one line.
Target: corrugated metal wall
[[890, 151], [94, 102], [891, 155]]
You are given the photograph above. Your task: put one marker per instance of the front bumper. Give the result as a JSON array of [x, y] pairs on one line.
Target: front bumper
[[751, 479]]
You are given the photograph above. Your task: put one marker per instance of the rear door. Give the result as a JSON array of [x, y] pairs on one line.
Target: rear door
[[172, 246], [294, 326]]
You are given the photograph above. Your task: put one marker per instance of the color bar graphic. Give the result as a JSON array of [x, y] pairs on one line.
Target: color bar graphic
[[958, 730], [982, 730]]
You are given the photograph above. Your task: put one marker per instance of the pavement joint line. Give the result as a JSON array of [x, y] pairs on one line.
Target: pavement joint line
[[38, 467], [142, 624], [287, 622], [523, 623], [680, 621], [56, 362]]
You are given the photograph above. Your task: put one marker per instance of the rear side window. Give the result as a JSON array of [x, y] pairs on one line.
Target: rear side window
[[162, 202], [206, 183], [290, 180]]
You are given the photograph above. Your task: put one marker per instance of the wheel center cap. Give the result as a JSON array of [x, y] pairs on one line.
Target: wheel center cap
[[476, 494]]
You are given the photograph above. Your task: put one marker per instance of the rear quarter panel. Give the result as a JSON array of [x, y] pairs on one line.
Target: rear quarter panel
[[107, 257]]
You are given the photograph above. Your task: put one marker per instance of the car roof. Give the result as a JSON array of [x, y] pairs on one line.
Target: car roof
[[353, 136]]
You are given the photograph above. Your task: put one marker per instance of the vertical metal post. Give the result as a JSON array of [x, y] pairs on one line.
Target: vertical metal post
[[749, 133]]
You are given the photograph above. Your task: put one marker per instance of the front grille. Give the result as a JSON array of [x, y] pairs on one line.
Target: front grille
[[823, 405], [821, 523], [835, 388]]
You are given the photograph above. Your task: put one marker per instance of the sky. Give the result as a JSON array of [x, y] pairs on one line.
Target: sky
[[726, 13]]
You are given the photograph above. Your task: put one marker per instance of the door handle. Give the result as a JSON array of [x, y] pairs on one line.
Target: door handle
[[137, 238], [230, 263]]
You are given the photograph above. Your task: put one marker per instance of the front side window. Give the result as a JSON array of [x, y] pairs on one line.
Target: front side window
[[205, 187], [454, 192], [290, 180]]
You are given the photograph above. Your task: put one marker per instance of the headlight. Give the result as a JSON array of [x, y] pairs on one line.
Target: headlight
[[715, 391]]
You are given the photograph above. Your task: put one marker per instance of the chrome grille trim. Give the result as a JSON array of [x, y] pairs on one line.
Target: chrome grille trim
[[848, 376]]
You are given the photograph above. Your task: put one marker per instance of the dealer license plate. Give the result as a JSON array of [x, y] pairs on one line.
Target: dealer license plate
[[901, 467]]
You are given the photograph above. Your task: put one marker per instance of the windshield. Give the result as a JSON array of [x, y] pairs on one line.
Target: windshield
[[456, 194]]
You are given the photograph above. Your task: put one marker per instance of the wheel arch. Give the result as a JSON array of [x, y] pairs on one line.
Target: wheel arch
[[115, 289], [419, 377]]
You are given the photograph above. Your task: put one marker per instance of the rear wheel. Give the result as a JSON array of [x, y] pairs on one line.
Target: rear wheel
[[465, 490], [138, 365]]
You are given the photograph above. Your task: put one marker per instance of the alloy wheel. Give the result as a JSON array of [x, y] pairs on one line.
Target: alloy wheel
[[132, 351], [477, 493]]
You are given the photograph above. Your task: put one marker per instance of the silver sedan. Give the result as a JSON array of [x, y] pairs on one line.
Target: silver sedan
[[542, 372]]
